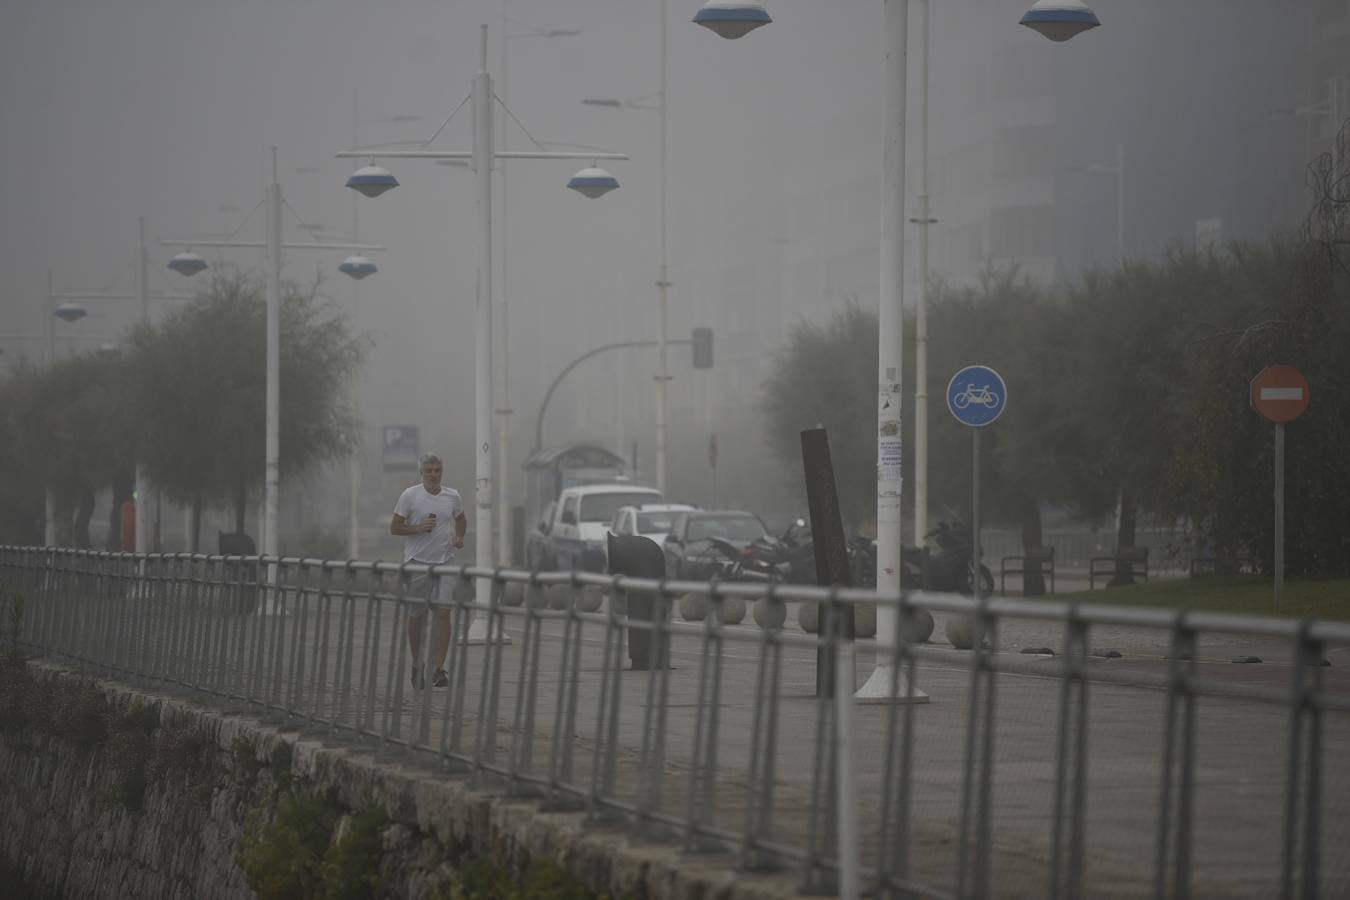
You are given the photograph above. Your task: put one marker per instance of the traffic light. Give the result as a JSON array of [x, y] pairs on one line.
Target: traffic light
[[703, 340]]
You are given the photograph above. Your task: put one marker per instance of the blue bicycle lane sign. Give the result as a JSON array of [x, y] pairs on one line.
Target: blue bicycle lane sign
[[977, 396]]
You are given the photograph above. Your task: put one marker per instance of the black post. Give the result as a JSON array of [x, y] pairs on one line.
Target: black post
[[640, 557], [831, 550]]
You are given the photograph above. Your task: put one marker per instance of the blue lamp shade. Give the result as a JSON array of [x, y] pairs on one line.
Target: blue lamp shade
[[372, 181], [1060, 20], [732, 20], [70, 312], [593, 182], [358, 267], [187, 263]]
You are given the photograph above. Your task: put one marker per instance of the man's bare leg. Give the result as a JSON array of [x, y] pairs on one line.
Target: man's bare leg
[[415, 636], [440, 638], [415, 630]]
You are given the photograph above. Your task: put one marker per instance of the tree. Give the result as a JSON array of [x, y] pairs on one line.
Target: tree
[[826, 377], [1008, 323], [1283, 302], [199, 381], [68, 430]]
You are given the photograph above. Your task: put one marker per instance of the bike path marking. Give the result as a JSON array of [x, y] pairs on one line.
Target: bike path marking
[[977, 396]]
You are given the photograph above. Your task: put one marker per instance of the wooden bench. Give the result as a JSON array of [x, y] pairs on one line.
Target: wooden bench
[[1212, 565], [1037, 559], [1136, 558]]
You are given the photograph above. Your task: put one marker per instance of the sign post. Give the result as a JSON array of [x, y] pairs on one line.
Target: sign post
[[1281, 394], [712, 464], [400, 447], [976, 396]]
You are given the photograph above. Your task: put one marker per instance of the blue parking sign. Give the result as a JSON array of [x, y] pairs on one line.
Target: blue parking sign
[[400, 447], [976, 396]]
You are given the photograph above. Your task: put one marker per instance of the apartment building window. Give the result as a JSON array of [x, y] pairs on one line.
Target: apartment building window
[[1026, 150], [1331, 11], [1026, 73], [1017, 232]]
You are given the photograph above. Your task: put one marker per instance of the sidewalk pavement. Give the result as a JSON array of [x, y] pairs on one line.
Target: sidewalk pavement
[[1240, 746]]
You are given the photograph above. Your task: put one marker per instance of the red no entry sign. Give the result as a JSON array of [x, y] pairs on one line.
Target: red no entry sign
[[1280, 393]]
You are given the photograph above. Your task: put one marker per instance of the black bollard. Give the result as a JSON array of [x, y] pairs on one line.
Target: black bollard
[[640, 557]]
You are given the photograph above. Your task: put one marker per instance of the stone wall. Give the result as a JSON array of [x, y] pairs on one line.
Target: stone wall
[[106, 792]]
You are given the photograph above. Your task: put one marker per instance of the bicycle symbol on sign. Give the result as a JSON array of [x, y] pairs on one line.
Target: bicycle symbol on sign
[[980, 396]]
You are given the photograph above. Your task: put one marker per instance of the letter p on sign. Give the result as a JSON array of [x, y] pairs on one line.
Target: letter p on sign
[[1280, 393]]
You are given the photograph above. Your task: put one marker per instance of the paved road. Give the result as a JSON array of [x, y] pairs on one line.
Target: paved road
[[1241, 748]]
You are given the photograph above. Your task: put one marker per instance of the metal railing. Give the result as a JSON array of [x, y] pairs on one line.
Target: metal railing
[[1053, 775]]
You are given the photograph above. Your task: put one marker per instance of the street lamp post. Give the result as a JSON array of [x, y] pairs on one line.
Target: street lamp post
[[190, 264], [1056, 19], [662, 270], [923, 220], [1116, 170], [505, 538], [374, 180], [663, 279], [358, 268]]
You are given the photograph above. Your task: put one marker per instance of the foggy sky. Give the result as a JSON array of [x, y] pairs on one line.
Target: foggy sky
[[167, 109]]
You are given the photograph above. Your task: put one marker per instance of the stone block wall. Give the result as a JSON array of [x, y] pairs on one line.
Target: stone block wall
[[107, 792]]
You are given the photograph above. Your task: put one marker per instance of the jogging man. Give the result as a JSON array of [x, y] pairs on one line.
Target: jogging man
[[430, 519]]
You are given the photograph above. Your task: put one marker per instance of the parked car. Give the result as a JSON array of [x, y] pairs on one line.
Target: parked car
[[688, 547], [572, 533], [651, 520]]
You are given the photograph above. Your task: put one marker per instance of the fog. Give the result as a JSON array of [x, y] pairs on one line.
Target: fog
[[167, 109]]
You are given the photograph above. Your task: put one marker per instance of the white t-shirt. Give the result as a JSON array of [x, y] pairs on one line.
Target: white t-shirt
[[415, 505]]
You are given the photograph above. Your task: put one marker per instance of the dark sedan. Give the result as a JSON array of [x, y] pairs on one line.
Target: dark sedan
[[689, 551]]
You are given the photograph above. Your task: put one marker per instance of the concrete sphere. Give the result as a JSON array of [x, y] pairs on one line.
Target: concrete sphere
[[961, 631], [693, 607], [733, 610], [463, 589], [808, 616], [536, 597], [559, 596], [916, 626], [864, 620], [592, 598], [770, 613], [513, 593]]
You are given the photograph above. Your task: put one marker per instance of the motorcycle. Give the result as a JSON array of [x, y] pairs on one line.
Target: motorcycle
[[748, 563], [789, 557], [948, 570]]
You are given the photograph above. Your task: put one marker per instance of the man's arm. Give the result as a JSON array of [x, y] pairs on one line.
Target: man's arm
[[461, 525], [399, 526]]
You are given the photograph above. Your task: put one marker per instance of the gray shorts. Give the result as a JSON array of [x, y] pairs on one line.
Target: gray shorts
[[422, 587]]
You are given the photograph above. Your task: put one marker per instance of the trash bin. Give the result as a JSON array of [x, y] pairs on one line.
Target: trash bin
[[641, 557]]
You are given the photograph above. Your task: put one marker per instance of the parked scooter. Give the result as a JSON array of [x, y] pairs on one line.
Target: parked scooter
[[949, 569], [748, 563], [791, 557]]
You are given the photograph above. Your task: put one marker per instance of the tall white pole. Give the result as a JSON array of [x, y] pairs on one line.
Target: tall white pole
[[271, 482], [662, 282], [482, 167], [49, 498], [142, 485], [921, 305], [890, 477], [504, 537], [1335, 103], [358, 451], [1120, 204], [1279, 513], [51, 321]]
